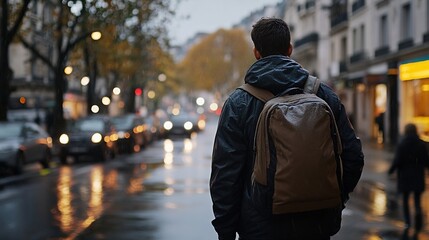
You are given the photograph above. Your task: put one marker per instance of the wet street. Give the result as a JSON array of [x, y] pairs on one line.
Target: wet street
[[161, 193]]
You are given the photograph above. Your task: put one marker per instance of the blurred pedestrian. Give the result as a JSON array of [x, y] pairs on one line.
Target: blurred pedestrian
[[379, 120], [410, 160]]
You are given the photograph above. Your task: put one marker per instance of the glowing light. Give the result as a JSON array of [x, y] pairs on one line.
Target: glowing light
[[138, 91], [168, 125], [116, 91], [68, 70], [84, 81], [162, 77], [175, 111], [414, 70], [96, 36], [168, 160], [214, 106], [168, 146], [200, 101], [105, 101], [188, 125], [151, 94], [64, 139], [95, 109], [96, 138]]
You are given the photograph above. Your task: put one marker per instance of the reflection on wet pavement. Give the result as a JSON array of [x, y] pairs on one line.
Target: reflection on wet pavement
[[171, 196]]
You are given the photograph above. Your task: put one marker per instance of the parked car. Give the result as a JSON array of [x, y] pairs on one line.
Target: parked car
[[22, 143], [133, 132], [181, 124], [93, 136]]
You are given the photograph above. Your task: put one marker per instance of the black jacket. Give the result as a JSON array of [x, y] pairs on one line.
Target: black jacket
[[232, 160], [411, 159]]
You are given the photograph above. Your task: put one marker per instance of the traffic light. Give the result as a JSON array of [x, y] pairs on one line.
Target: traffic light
[[138, 91]]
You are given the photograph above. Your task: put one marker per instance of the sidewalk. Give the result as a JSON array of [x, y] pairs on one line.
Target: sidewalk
[[375, 209]]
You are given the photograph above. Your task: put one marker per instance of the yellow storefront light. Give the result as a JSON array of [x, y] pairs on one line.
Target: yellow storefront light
[[414, 70]]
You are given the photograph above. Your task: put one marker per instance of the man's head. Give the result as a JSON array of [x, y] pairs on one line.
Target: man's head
[[271, 36]]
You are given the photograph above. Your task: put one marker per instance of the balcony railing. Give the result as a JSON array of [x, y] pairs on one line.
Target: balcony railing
[[357, 57], [358, 5], [382, 51], [312, 37], [407, 43], [338, 19]]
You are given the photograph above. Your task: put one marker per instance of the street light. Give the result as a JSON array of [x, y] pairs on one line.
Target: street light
[[116, 91], [68, 70], [105, 101], [151, 94], [96, 35], [84, 81], [162, 77], [95, 108]]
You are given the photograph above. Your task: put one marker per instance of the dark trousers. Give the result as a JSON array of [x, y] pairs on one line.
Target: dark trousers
[[418, 209]]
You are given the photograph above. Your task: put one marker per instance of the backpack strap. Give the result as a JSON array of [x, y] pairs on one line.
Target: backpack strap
[[312, 85], [259, 93]]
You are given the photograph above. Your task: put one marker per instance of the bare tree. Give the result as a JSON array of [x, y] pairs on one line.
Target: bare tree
[[9, 27]]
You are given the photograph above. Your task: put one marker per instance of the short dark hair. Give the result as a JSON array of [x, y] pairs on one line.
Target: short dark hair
[[271, 36], [410, 129]]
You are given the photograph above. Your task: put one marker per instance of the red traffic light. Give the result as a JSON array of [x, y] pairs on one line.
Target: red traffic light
[[138, 91]]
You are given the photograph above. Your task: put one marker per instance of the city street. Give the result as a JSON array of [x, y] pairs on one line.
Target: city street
[[161, 193]]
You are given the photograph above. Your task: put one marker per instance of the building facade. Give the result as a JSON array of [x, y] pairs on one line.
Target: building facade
[[375, 54]]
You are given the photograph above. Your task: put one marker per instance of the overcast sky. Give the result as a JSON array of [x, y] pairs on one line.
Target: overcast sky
[[194, 16]]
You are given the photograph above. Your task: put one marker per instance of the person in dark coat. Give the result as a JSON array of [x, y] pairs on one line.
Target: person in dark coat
[[232, 159], [410, 160]]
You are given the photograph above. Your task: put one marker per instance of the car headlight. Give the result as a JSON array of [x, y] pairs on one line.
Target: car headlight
[[64, 138], [96, 138], [201, 124], [122, 134], [168, 125], [188, 125]]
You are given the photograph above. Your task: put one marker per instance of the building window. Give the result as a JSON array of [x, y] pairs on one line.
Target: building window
[[383, 31], [406, 22], [355, 41], [362, 38], [343, 49]]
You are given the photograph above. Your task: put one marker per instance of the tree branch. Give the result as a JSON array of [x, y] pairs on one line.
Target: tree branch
[[36, 52], [18, 22]]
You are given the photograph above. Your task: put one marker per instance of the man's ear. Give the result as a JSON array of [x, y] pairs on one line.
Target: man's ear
[[257, 54], [290, 50]]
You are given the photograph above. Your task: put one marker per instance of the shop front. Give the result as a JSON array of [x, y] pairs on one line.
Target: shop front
[[414, 94]]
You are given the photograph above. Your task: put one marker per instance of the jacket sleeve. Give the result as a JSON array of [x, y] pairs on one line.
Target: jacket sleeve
[[352, 155], [226, 180]]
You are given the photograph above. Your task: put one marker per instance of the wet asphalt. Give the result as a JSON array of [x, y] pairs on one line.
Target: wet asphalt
[[174, 201]]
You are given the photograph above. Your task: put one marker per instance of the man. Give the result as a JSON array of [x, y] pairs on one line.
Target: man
[[233, 156]]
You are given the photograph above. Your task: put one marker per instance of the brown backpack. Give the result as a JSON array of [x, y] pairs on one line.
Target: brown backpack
[[297, 150]]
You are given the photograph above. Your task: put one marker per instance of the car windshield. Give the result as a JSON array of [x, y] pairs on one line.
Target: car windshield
[[89, 125], [122, 122], [10, 130]]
